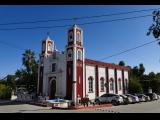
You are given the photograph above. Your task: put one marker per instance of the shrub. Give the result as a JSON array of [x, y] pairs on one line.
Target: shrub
[[135, 87], [5, 92]]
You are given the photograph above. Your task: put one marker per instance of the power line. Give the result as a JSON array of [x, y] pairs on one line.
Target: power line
[[11, 45], [128, 50], [61, 26], [120, 19], [78, 18], [15, 47]]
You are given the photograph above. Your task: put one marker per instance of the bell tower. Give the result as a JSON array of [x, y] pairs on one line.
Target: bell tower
[[75, 64], [47, 46], [47, 50]]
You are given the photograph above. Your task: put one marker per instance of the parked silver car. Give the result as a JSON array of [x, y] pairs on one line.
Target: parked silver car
[[143, 98], [127, 100], [135, 99], [109, 98], [152, 96]]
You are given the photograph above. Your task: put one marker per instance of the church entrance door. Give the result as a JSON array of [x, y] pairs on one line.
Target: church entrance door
[[52, 89]]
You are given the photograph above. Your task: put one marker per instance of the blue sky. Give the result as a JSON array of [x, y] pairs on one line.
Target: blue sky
[[100, 40]]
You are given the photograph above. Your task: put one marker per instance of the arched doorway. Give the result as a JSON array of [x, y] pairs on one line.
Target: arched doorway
[[52, 89]]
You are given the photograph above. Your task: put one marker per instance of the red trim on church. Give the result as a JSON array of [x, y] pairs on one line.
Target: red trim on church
[[97, 80], [115, 76], [107, 81], [79, 43], [104, 64], [123, 82]]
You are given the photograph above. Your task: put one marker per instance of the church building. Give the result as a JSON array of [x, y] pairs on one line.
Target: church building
[[68, 74]]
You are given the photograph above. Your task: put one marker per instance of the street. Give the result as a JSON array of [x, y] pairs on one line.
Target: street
[[144, 107]]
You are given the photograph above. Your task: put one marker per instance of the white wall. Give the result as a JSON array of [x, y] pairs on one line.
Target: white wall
[[111, 75], [119, 76], [60, 76], [101, 73], [90, 71]]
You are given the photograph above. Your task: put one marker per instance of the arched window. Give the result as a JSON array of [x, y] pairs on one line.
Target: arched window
[[119, 84], [69, 54], [90, 84], [53, 67], [78, 36], [102, 84], [79, 55], [111, 84], [70, 36], [49, 46]]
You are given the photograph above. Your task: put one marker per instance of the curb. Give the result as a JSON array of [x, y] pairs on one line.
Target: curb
[[75, 108], [90, 107]]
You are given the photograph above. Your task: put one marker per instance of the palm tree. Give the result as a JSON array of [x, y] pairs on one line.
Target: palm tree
[[28, 60]]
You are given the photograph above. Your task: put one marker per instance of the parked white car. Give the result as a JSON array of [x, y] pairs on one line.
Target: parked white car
[[135, 99], [109, 98]]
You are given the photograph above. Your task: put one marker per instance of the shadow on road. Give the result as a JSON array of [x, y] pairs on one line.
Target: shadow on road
[[12, 103]]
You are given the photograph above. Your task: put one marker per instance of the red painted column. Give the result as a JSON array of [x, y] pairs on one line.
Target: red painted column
[[80, 79], [69, 79], [107, 81], [85, 79], [97, 88], [123, 82], [115, 75], [41, 80]]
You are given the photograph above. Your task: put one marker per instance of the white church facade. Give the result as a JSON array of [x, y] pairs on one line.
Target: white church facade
[[70, 75]]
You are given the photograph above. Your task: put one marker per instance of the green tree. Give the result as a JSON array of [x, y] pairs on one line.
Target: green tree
[[135, 86], [21, 76], [141, 70], [151, 75], [10, 81], [29, 75], [154, 29], [135, 71], [28, 60], [121, 63]]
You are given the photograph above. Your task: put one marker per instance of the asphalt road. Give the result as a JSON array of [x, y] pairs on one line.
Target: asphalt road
[[145, 107]]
